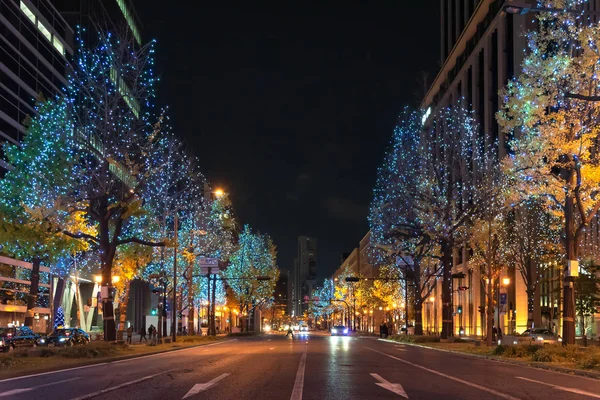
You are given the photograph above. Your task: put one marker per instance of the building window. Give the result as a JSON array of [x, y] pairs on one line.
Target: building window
[[58, 45], [130, 20], [28, 13], [44, 30]]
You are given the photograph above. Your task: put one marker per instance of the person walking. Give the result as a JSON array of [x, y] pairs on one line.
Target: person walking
[[152, 333], [129, 334], [143, 334]]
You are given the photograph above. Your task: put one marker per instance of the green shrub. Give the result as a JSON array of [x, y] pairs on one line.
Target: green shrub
[[415, 339], [543, 355], [589, 361], [92, 350], [500, 350]]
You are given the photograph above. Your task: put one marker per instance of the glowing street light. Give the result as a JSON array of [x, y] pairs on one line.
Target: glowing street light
[[219, 192]]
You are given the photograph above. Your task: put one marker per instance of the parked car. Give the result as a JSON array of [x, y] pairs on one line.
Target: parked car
[[12, 338], [541, 336], [67, 337], [339, 331]]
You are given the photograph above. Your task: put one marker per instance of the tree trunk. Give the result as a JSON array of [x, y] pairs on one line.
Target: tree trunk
[[490, 308], [571, 253], [33, 292], [418, 314], [190, 299], [123, 312], [447, 328], [530, 307], [57, 300], [108, 311]]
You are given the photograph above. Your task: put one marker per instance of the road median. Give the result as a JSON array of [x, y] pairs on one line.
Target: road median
[[576, 360], [48, 359]]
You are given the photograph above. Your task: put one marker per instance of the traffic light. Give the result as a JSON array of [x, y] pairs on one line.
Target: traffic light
[[154, 311], [460, 309], [481, 310]]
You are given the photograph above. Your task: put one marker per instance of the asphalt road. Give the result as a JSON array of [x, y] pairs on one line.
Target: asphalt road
[[307, 367]]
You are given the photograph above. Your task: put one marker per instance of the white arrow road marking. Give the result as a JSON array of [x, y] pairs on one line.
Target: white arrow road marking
[[564, 389], [201, 387], [299, 384], [29, 389], [122, 385], [392, 387], [485, 389]]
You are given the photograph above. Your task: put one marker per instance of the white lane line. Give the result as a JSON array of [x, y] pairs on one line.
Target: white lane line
[[299, 384], [165, 353], [51, 372], [23, 390], [564, 389], [122, 385], [201, 387], [485, 389]]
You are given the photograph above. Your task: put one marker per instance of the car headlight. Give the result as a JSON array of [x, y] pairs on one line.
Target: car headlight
[[540, 338], [334, 330], [42, 340], [346, 330], [62, 339], [559, 339]]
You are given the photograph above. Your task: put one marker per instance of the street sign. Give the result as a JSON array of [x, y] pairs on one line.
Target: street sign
[[403, 261], [503, 297], [208, 265]]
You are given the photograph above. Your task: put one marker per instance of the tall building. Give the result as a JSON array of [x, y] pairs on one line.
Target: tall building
[[305, 274], [482, 47], [36, 44]]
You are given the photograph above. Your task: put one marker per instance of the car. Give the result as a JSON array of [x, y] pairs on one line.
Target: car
[[12, 338], [303, 328], [339, 330], [67, 337], [541, 336]]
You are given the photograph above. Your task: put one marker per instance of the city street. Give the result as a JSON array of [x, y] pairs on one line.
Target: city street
[[306, 367]]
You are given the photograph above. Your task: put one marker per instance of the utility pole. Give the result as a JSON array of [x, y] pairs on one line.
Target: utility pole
[[174, 305]]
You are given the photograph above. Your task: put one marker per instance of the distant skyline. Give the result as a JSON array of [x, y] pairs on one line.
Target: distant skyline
[[290, 107]]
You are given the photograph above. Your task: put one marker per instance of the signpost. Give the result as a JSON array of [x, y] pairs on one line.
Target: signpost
[[210, 267]]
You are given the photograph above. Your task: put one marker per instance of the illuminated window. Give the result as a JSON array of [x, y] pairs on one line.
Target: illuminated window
[[130, 20], [125, 93], [44, 30], [28, 12], [58, 45]]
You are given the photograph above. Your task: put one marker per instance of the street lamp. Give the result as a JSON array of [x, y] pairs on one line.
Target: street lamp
[[505, 282], [219, 193]]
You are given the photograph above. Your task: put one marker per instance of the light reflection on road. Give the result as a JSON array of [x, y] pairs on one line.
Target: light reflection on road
[[339, 342]]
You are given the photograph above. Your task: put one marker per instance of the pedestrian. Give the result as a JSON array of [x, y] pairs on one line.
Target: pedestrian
[[143, 334], [290, 332], [184, 331], [381, 330], [385, 330], [499, 334], [129, 334], [494, 333], [152, 333]]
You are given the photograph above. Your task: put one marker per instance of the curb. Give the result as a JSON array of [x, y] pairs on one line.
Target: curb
[[108, 360], [530, 364]]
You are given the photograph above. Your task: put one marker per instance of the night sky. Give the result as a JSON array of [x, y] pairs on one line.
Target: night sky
[[289, 107]]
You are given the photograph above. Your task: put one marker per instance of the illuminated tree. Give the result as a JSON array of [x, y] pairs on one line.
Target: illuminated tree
[[109, 95], [531, 238], [250, 265], [399, 236], [552, 109], [40, 173]]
